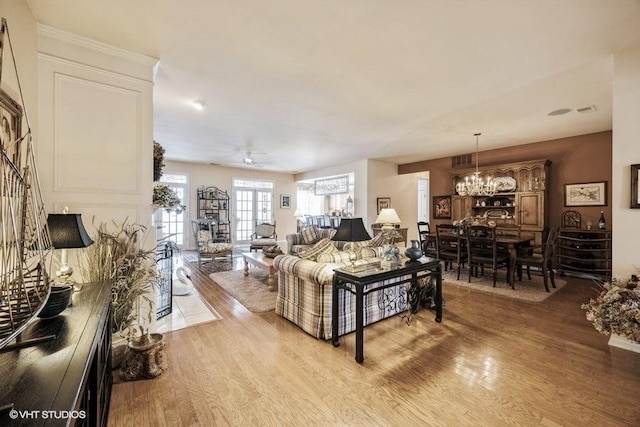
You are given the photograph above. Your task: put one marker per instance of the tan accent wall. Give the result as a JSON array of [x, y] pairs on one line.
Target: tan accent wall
[[584, 158]]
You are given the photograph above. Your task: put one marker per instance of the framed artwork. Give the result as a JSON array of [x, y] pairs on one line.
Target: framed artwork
[[383, 203], [586, 194], [635, 191], [441, 207], [10, 122], [336, 185], [285, 201]]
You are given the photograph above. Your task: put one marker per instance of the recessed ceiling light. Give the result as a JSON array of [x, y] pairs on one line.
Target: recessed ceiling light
[[198, 105], [559, 112]]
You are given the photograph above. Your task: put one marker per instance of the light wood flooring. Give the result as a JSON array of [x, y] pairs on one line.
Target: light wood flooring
[[493, 361]]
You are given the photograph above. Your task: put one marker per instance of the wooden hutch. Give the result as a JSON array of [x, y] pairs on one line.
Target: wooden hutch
[[521, 196]]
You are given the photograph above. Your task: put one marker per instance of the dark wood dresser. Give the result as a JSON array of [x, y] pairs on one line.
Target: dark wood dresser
[[65, 381]]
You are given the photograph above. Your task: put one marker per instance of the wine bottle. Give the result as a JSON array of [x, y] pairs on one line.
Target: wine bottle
[[602, 223]]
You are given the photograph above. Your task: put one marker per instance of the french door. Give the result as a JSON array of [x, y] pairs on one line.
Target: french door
[[253, 203]]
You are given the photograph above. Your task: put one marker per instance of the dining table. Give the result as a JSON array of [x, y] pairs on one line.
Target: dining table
[[512, 244], [509, 242]]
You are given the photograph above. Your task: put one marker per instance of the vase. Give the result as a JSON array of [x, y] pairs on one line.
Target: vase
[[414, 252], [623, 342]]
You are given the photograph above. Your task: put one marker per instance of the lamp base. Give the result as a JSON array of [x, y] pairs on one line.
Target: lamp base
[[63, 278]]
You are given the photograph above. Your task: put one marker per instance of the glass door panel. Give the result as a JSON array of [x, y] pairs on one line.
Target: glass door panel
[[244, 215]]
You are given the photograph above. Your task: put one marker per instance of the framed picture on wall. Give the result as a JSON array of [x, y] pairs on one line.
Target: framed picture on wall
[[441, 207], [586, 194], [635, 191], [383, 203], [285, 201], [10, 122]]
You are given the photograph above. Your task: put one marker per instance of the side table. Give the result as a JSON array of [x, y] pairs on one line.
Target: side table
[[361, 283]]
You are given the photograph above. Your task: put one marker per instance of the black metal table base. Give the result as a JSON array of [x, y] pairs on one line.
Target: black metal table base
[[363, 283]]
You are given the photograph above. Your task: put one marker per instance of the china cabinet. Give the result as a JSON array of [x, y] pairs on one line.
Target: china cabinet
[[520, 196]]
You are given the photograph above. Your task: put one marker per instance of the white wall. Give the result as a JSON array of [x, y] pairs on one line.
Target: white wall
[[222, 177], [384, 181], [95, 145], [626, 151]]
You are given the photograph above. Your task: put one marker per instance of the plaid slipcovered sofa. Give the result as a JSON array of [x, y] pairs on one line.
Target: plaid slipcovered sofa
[[298, 242], [304, 293]]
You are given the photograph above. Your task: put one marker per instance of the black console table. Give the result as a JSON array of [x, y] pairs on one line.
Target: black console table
[[361, 283], [65, 381]]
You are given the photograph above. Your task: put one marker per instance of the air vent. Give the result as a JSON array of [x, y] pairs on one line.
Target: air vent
[[589, 109], [462, 161]]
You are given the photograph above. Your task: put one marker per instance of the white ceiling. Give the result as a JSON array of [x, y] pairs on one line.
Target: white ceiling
[[308, 84]]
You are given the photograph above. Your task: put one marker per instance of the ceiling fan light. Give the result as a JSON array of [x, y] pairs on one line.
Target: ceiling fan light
[[198, 105]]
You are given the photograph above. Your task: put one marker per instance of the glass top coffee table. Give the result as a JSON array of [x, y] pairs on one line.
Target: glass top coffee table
[[367, 279]]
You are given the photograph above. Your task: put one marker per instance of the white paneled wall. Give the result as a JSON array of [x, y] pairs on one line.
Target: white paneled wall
[[95, 129]]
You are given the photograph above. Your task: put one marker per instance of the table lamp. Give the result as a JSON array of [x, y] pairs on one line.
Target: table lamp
[[389, 218], [351, 230], [67, 232]]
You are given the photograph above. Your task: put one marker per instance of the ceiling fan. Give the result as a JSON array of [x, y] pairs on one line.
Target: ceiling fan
[[248, 160]]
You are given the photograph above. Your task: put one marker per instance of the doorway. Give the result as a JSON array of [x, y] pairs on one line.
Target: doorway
[[253, 205]]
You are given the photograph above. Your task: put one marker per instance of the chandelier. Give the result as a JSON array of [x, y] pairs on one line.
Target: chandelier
[[475, 185]]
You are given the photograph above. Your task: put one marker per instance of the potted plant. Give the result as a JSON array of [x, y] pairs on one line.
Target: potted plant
[[616, 310], [118, 256]]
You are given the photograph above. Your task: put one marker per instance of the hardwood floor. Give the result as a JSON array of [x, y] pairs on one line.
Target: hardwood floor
[[493, 361]]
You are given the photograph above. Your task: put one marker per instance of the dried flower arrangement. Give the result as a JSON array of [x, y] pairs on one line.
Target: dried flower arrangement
[[119, 257], [158, 160], [616, 310], [166, 198]]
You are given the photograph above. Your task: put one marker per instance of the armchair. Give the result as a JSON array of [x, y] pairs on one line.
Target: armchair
[[206, 246], [264, 235]]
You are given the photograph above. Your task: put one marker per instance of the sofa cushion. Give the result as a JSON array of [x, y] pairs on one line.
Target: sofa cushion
[[323, 246], [310, 235], [377, 240], [337, 257]]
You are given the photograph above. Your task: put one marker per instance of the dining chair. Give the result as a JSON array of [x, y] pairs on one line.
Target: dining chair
[[483, 251], [449, 247], [427, 240], [540, 257], [321, 221], [335, 222]]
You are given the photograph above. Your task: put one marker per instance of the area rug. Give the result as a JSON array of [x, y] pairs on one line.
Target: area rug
[[251, 291], [527, 290]]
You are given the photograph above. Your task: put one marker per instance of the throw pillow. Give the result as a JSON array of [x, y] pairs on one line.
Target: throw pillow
[[323, 246], [310, 235], [377, 240]]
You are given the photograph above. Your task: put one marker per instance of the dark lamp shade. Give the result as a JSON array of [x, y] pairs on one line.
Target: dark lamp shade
[[351, 230], [67, 231]]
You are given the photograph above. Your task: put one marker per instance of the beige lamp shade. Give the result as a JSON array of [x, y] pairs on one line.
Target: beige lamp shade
[[388, 217]]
